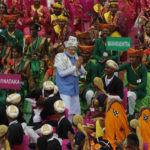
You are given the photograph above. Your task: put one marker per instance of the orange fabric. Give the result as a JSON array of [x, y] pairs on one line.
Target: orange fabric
[[11, 17], [145, 126], [110, 27], [147, 51], [86, 48], [135, 52], [82, 34], [10, 62], [50, 72], [95, 146], [2, 61], [116, 124]]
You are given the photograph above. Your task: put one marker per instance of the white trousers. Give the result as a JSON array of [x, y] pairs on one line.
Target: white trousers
[[72, 103], [131, 102], [89, 94]]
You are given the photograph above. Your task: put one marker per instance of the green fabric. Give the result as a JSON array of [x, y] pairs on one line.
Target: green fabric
[[132, 77], [91, 73], [16, 38], [98, 52], [141, 101], [148, 59]]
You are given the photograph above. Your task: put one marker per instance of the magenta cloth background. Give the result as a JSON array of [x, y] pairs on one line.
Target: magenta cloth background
[[10, 78]]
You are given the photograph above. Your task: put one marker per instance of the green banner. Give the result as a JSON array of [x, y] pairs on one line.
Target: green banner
[[118, 43]]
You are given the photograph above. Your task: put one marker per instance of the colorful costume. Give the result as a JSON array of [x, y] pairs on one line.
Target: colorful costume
[[43, 19], [116, 115], [117, 20], [136, 78], [85, 82], [100, 52], [145, 125], [75, 13], [36, 50]]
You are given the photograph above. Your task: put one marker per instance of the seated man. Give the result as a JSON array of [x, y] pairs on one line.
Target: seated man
[[64, 127], [100, 53], [112, 84], [47, 134], [15, 130], [13, 36], [44, 98], [136, 77], [91, 68]]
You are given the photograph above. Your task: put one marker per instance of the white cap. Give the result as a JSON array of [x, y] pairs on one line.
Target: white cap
[[112, 64], [59, 106], [12, 111], [48, 85], [46, 129], [55, 89], [13, 98]]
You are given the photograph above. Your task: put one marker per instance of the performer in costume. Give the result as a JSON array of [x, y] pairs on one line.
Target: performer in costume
[[64, 127], [85, 82], [144, 39], [3, 10], [18, 65], [5, 53], [13, 36], [136, 77], [112, 84], [35, 51], [15, 131], [47, 134], [76, 13], [144, 121], [116, 18], [100, 8], [67, 76], [39, 14], [146, 59], [4, 144], [56, 12], [81, 137], [65, 29], [100, 53], [119, 131]]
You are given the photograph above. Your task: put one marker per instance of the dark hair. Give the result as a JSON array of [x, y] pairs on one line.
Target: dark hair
[[42, 143], [2, 3], [134, 139], [18, 48], [2, 39]]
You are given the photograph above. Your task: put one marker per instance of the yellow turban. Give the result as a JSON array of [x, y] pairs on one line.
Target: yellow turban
[[12, 111], [62, 17], [3, 130], [112, 64], [55, 90], [58, 5], [14, 98], [59, 106], [78, 121], [46, 129], [48, 85]]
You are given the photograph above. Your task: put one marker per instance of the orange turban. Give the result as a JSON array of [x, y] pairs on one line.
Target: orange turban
[[134, 52], [11, 17], [84, 48], [83, 34], [106, 26], [147, 51]]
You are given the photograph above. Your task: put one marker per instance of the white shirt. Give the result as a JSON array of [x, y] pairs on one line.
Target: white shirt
[[107, 81]]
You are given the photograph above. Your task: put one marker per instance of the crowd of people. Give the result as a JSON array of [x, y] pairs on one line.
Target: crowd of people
[[82, 96]]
